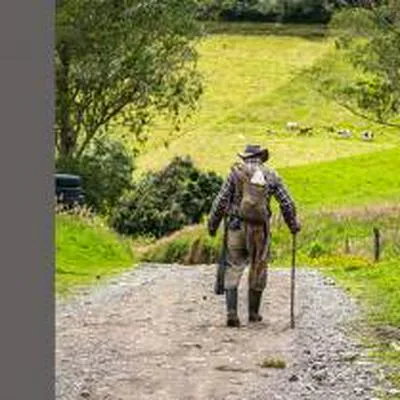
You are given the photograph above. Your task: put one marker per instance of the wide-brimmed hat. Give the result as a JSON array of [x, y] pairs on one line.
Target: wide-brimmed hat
[[255, 150]]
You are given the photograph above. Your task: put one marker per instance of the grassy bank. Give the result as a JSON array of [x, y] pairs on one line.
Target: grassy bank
[[342, 238], [86, 252]]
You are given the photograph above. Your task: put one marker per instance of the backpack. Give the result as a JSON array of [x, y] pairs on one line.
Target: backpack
[[252, 186]]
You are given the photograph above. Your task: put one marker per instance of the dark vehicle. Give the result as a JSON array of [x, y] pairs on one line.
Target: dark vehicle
[[69, 190]]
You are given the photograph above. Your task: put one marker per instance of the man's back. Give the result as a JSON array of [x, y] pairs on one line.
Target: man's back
[[230, 196]]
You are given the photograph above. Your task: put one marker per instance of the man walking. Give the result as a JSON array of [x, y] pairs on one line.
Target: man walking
[[245, 200]]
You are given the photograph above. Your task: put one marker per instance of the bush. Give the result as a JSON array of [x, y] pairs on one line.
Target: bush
[[165, 201], [316, 250], [106, 169]]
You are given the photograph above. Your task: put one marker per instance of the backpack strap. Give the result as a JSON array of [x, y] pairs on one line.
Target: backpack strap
[[241, 173]]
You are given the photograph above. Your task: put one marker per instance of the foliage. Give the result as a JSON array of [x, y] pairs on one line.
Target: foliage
[[165, 201], [106, 169], [269, 10], [87, 251], [122, 61], [369, 39]]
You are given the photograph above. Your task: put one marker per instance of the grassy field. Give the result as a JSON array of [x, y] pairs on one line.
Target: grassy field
[[254, 85], [359, 180], [87, 252]]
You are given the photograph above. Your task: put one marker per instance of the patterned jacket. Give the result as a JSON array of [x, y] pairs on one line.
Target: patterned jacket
[[228, 200]]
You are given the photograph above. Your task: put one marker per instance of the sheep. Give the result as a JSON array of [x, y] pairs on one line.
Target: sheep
[[292, 126], [367, 136], [344, 133]]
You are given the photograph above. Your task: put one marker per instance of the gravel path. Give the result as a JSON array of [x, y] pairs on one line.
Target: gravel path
[[158, 332]]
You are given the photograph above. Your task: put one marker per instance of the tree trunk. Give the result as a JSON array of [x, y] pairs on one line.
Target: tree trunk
[[67, 135]]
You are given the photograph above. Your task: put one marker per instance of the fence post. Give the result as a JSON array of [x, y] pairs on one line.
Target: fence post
[[347, 245], [377, 244]]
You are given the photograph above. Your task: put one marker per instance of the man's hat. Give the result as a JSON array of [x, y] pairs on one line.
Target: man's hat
[[254, 150]]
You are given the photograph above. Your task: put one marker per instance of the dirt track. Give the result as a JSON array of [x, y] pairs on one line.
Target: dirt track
[[158, 332]]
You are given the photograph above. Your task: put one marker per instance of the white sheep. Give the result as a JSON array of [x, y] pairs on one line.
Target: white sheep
[[367, 136], [344, 133], [292, 126]]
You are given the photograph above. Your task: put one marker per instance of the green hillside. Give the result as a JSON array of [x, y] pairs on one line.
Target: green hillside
[[359, 180], [255, 85]]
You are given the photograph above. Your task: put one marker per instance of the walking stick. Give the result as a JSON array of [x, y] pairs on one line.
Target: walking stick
[[219, 281], [293, 281]]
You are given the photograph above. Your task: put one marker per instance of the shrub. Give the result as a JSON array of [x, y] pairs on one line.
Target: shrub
[[106, 169], [165, 201], [316, 250]]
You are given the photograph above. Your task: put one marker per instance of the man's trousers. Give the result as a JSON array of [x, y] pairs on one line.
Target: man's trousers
[[248, 245]]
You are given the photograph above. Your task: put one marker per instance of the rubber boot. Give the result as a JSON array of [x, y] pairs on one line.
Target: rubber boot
[[254, 305], [231, 307]]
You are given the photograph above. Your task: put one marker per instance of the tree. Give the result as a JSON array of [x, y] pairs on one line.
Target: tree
[[369, 39], [271, 10], [122, 61]]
